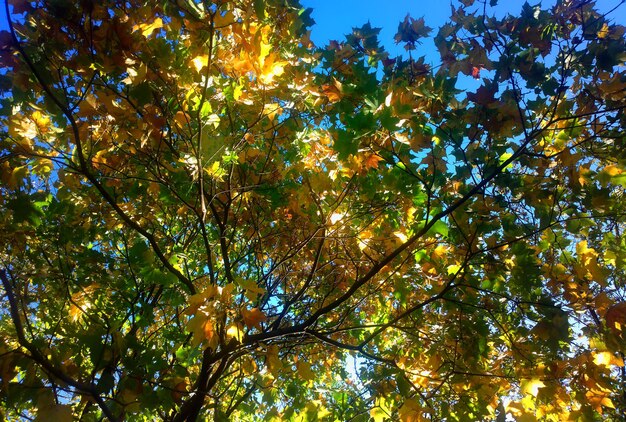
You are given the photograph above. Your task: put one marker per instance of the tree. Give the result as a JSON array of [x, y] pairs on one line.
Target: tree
[[205, 215]]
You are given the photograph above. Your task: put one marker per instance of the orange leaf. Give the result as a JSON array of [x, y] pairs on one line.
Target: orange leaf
[[253, 317], [372, 161]]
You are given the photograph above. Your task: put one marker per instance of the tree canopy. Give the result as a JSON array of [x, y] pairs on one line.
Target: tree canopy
[[205, 216]]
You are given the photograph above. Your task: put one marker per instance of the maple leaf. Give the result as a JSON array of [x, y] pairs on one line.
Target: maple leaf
[[484, 95], [410, 30], [371, 162], [253, 317]]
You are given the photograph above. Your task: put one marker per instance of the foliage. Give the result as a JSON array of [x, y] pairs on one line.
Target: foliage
[[204, 215]]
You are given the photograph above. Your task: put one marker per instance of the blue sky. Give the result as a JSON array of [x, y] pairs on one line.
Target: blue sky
[[335, 18]]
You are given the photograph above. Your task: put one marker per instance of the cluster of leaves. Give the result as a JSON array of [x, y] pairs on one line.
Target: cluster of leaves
[[204, 215]]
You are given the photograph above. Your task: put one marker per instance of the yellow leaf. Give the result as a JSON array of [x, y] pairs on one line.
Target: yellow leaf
[[203, 330], [304, 370], [215, 171], [253, 317], [136, 75], [453, 269], [607, 359], [213, 119], [604, 31], [610, 170], [378, 415], [607, 402], [532, 386], [400, 235], [272, 360], [610, 257], [364, 238], [200, 61], [234, 331], [382, 411], [585, 252], [42, 121], [182, 119], [411, 411], [43, 166], [148, 28], [440, 252], [252, 290], [271, 68], [333, 92]]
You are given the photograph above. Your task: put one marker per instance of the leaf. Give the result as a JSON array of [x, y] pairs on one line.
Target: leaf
[[532, 386], [333, 91], [304, 371], [26, 210], [606, 359], [259, 8], [440, 227], [253, 317], [381, 411], [372, 160], [410, 31], [604, 31], [216, 171], [410, 411], [199, 62], [234, 331], [148, 28], [616, 318], [56, 413], [203, 330], [252, 290], [484, 95]]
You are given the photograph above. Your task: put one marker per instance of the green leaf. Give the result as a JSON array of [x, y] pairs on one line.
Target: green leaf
[[346, 144], [440, 227], [259, 8]]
